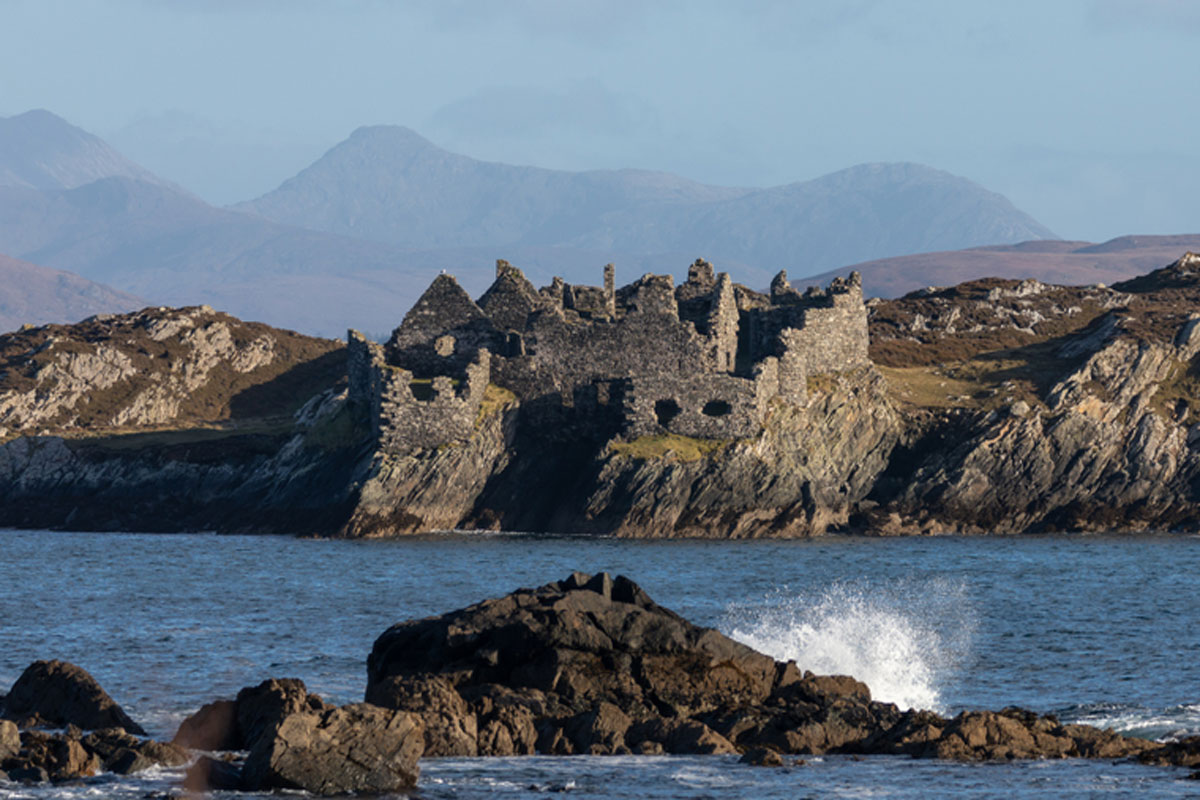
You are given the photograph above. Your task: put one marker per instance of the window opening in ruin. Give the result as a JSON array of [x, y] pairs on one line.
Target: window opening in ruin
[[422, 390], [666, 410], [716, 408]]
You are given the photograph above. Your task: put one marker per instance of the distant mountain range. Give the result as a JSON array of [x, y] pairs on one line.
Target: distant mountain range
[[391, 185], [35, 295], [1068, 263], [356, 237]]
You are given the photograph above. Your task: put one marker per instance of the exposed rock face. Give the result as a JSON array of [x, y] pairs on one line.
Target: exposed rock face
[[1106, 449], [150, 368], [356, 748], [58, 693], [805, 473], [436, 488], [297, 741], [591, 665]]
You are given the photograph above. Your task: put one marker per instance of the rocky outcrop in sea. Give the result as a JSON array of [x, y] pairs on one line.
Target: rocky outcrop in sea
[[586, 665]]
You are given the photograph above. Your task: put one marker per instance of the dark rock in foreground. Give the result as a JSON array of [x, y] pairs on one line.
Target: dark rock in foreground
[[61, 695], [592, 665], [297, 741], [351, 749], [585, 665], [57, 693]]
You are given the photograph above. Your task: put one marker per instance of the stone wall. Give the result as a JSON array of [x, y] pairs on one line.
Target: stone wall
[[444, 330], [703, 359], [826, 330], [406, 412], [832, 334], [511, 299], [702, 406], [722, 325], [417, 414], [562, 354], [365, 366]]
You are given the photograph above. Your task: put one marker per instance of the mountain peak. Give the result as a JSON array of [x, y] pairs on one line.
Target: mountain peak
[[41, 150], [394, 135]]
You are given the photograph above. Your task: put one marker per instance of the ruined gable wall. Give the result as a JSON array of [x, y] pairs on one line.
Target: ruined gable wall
[[510, 299], [442, 332], [444, 306]]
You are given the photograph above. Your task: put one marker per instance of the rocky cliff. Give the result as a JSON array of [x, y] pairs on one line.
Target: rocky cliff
[[994, 406], [174, 419]]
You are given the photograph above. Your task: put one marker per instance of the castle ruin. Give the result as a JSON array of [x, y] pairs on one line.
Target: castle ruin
[[703, 359]]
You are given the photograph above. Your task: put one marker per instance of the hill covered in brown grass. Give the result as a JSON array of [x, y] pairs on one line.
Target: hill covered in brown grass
[[33, 295]]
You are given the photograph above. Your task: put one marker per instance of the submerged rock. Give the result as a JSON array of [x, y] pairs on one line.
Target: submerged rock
[[211, 774], [124, 754]]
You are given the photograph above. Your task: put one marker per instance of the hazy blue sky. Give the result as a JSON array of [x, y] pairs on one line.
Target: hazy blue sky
[[1086, 113]]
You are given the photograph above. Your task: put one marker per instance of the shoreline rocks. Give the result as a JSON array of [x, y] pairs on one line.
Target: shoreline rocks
[[298, 741], [589, 665], [57, 693]]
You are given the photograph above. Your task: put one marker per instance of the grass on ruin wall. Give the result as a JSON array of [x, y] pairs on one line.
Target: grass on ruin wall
[[668, 445], [495, 399]]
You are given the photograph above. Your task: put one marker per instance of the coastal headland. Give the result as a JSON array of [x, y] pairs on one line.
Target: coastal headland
[[701, 409]]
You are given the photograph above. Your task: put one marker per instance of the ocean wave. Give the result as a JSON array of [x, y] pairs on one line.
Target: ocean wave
[[1161, 724], [905, 640]]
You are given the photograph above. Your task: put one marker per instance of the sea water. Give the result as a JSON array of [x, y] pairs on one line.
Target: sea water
[[1097, 629]]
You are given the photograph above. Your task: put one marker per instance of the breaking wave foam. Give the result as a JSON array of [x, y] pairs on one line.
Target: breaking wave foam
[[905, 641]]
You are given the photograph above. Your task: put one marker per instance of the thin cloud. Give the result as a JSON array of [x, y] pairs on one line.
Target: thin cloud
[[1170, 15], [519, 111]]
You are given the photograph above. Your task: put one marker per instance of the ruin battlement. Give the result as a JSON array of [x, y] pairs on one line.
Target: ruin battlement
[[703, 358]]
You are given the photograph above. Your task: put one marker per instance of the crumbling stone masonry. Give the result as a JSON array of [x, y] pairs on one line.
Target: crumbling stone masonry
[[409, 413], [704, 359]]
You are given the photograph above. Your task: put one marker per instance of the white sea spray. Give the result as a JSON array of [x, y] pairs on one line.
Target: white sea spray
[[904, 639]]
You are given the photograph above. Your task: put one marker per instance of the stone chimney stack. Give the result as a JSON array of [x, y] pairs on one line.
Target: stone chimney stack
[[610, 290]]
